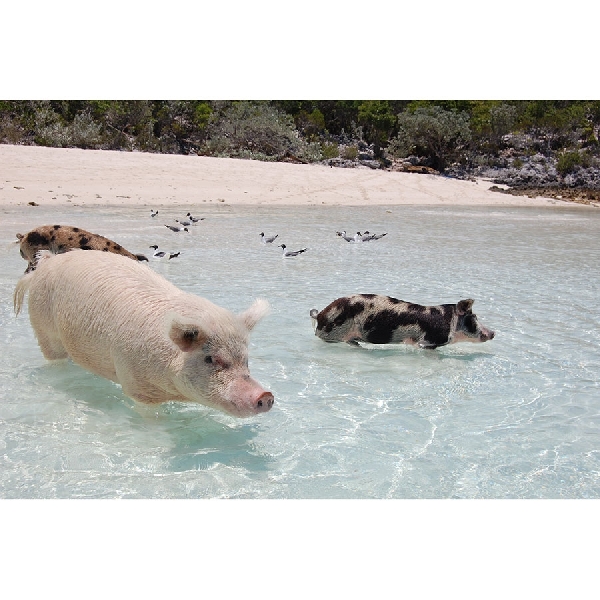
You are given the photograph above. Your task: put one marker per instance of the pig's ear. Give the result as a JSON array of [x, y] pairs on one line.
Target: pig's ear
[[255, 313], [185, 334], [464, 306]]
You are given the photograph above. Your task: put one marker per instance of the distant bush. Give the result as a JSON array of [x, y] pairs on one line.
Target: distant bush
[[82, 132], [568, 161], [350, 152], [312, 124], [502, 119], [129, 125], [257, 130], [377, 119], [11, 131], [433, 132], [48, 128], [202, 113], [329, 150]]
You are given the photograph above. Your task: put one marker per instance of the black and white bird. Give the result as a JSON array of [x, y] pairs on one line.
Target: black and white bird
[[268, 240], [369, 237], [176, 228], [183, 223], [342, 234], [158, 254], [153, 212], [194, 219], [288, 253]]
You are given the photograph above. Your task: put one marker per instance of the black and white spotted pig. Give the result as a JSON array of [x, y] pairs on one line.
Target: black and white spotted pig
[[383, 320], [62, 238]]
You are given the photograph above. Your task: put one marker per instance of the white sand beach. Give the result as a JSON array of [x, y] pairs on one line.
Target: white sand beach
[[59, 176]]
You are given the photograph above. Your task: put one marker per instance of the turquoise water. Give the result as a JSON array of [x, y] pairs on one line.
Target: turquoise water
[[517, 417]]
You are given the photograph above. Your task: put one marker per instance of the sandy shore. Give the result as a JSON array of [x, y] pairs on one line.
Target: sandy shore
[[57, 176]]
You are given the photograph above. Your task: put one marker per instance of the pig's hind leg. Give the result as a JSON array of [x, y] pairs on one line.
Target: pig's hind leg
[[48, 337], [51, 346]]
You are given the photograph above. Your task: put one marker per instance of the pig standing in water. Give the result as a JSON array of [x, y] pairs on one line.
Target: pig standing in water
[[62, 238], [384, 320], [121, 320]]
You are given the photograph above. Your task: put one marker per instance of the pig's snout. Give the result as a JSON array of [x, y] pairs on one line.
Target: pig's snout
[[245, 398], [487, 334], [265, 402]]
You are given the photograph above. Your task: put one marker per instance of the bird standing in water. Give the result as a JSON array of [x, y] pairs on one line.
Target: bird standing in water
[[158, 254], [268, 240], [175, 228], [289, 253]]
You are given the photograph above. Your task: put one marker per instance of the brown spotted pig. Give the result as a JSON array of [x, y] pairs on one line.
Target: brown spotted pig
[[61, 238]]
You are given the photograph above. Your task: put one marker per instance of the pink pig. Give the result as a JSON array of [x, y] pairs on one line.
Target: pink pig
[[121, 320]]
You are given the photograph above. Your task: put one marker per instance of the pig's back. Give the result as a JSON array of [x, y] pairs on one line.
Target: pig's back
[[103, 300], [94, 270]]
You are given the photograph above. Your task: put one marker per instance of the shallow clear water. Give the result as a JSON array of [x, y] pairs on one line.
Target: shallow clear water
[[517, 417]]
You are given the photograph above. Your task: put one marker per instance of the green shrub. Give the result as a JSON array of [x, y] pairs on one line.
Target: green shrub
[[11, 131], [84, 132], [377, 119], [350, 152], [51, 130], [329, 150], [568, 161], [48, 128], [256, 130], [310, 124], [433, 132], [502, 119], [202, 113]]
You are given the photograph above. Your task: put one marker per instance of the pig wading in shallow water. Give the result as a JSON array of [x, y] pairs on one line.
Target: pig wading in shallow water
[[384, 320], [62, 238], [121, 320]]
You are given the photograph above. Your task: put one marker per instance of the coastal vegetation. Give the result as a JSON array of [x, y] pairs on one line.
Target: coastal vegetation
[[524, 143]]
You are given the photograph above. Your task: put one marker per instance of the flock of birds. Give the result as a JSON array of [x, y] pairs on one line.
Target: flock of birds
[[182, 226], [190, 220], [286, 253], [359, 237]]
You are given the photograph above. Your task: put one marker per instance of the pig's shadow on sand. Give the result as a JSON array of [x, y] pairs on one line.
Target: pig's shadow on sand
[[195, 437]]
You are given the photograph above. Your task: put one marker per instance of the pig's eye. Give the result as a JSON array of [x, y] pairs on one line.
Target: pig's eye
[[471, 323], [208, 360]]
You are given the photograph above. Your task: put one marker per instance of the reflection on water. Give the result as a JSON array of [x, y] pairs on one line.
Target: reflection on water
[[516, 417]]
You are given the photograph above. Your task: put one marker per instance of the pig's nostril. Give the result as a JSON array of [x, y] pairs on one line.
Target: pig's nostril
[[265, 402]]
